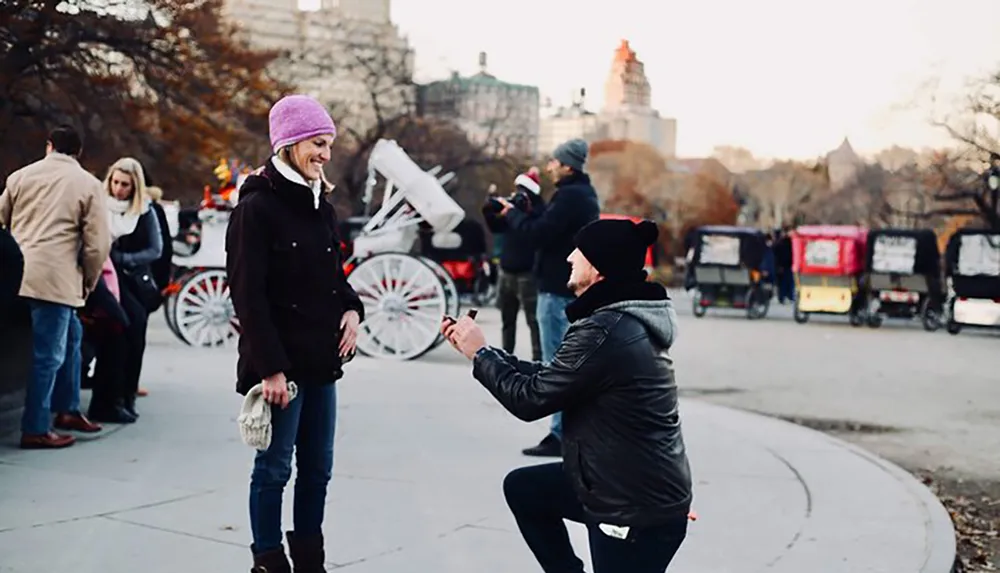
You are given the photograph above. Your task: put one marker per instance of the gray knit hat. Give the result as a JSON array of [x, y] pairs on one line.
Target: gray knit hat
[[573, 154]]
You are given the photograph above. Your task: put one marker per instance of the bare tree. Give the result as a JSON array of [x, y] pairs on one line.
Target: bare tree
[[783, 193], [364, 73], [962, 188], [738, 159], [896, 158], [164, 82], [862, 201], [966, 182]]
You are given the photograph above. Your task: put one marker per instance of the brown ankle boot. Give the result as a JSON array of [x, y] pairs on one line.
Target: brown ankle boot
[[307, 553], [273, 561]]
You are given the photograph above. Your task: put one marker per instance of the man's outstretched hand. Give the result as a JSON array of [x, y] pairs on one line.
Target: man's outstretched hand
[[464, 335]]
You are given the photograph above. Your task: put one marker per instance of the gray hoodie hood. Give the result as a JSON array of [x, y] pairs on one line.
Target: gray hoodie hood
[[658, 316]]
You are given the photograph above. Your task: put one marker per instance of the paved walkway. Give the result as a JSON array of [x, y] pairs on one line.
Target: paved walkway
[[421, 452]]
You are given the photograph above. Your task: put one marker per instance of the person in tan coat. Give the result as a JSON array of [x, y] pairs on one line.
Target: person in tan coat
[[55, 210]]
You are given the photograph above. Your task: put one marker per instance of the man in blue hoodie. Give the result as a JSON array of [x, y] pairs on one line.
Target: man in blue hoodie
[[572, 207]]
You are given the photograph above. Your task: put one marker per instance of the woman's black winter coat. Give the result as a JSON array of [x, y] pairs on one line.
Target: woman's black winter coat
[[287, 282]]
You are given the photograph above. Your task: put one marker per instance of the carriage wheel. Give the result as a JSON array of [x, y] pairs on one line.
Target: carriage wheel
[[453, 302], [170, 303], [404, 300], [204, 313], [169, 313]]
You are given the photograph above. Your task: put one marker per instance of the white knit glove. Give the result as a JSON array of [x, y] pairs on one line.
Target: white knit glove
[[255, 417]]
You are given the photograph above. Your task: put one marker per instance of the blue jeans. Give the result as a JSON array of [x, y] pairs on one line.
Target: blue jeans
[[307, 425], [55, 373], [552, 326]]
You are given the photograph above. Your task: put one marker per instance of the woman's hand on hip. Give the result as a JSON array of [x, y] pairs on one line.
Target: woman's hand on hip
[[349, 332], [276, 390]]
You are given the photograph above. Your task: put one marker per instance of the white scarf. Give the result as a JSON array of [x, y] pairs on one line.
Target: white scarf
[[120, 220]]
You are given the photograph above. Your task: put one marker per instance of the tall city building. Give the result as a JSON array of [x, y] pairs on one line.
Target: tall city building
[[341, 53], [627, 113], [371, 10], [501, 116], [565, 123]]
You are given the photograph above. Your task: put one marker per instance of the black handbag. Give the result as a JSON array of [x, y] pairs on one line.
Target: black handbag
[[142, 284]]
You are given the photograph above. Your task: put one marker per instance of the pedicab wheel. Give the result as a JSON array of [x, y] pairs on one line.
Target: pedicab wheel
[[453, 302], [800, 316], [170, 302], [953, 327], [204, 313], [930, 318], [404, 300], [697, 308]]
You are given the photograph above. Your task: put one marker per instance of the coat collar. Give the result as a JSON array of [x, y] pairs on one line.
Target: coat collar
[[62, 158], [290, 185], [605, 292], [293, 176]]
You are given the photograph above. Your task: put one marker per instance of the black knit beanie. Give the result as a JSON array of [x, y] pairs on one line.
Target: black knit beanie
[[617, 247]]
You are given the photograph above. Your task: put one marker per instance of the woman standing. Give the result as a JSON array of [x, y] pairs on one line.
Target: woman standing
[[299, 319], [136, 238]]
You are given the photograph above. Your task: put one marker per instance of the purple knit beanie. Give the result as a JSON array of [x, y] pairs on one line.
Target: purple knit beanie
[[298, 117]]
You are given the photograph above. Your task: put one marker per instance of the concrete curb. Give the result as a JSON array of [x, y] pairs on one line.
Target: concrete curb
[[940, 531], [942, 549]]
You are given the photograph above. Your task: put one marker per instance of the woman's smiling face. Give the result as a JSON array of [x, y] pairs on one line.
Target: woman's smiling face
[[310, 155]]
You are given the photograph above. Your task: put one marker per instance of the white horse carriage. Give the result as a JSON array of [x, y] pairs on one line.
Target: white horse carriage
[[405, 295]]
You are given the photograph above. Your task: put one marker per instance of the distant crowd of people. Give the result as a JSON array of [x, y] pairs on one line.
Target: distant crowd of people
[[93, 259]]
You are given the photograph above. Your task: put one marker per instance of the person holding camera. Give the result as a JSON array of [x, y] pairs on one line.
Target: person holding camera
[[573, 206], [516, 286], [625, 474]]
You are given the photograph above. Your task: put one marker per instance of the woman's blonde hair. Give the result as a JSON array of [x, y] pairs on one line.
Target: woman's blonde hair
[[131, 167], [285, 154], [155, 193]]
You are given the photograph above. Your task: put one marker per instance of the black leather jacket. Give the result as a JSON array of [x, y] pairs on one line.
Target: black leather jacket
[[614, 383]]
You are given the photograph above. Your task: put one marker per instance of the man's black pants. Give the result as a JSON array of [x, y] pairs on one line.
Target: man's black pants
[[517, 291], [541, 496]]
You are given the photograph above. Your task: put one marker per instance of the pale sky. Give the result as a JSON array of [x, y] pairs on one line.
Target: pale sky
[[784, 78]]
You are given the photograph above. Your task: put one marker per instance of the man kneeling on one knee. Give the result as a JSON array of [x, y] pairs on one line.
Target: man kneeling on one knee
[[625, 472]]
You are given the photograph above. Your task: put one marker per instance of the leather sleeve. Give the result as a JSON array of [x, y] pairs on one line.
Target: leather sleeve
[[522, 366], [247, 251], [576, 372]]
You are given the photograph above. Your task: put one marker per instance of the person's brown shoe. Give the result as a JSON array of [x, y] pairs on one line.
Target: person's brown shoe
[[49, 441], [77, 422]]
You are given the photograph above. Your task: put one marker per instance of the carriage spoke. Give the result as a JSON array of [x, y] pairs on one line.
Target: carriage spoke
[[423, 302], [204, 313], [403, 313]]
